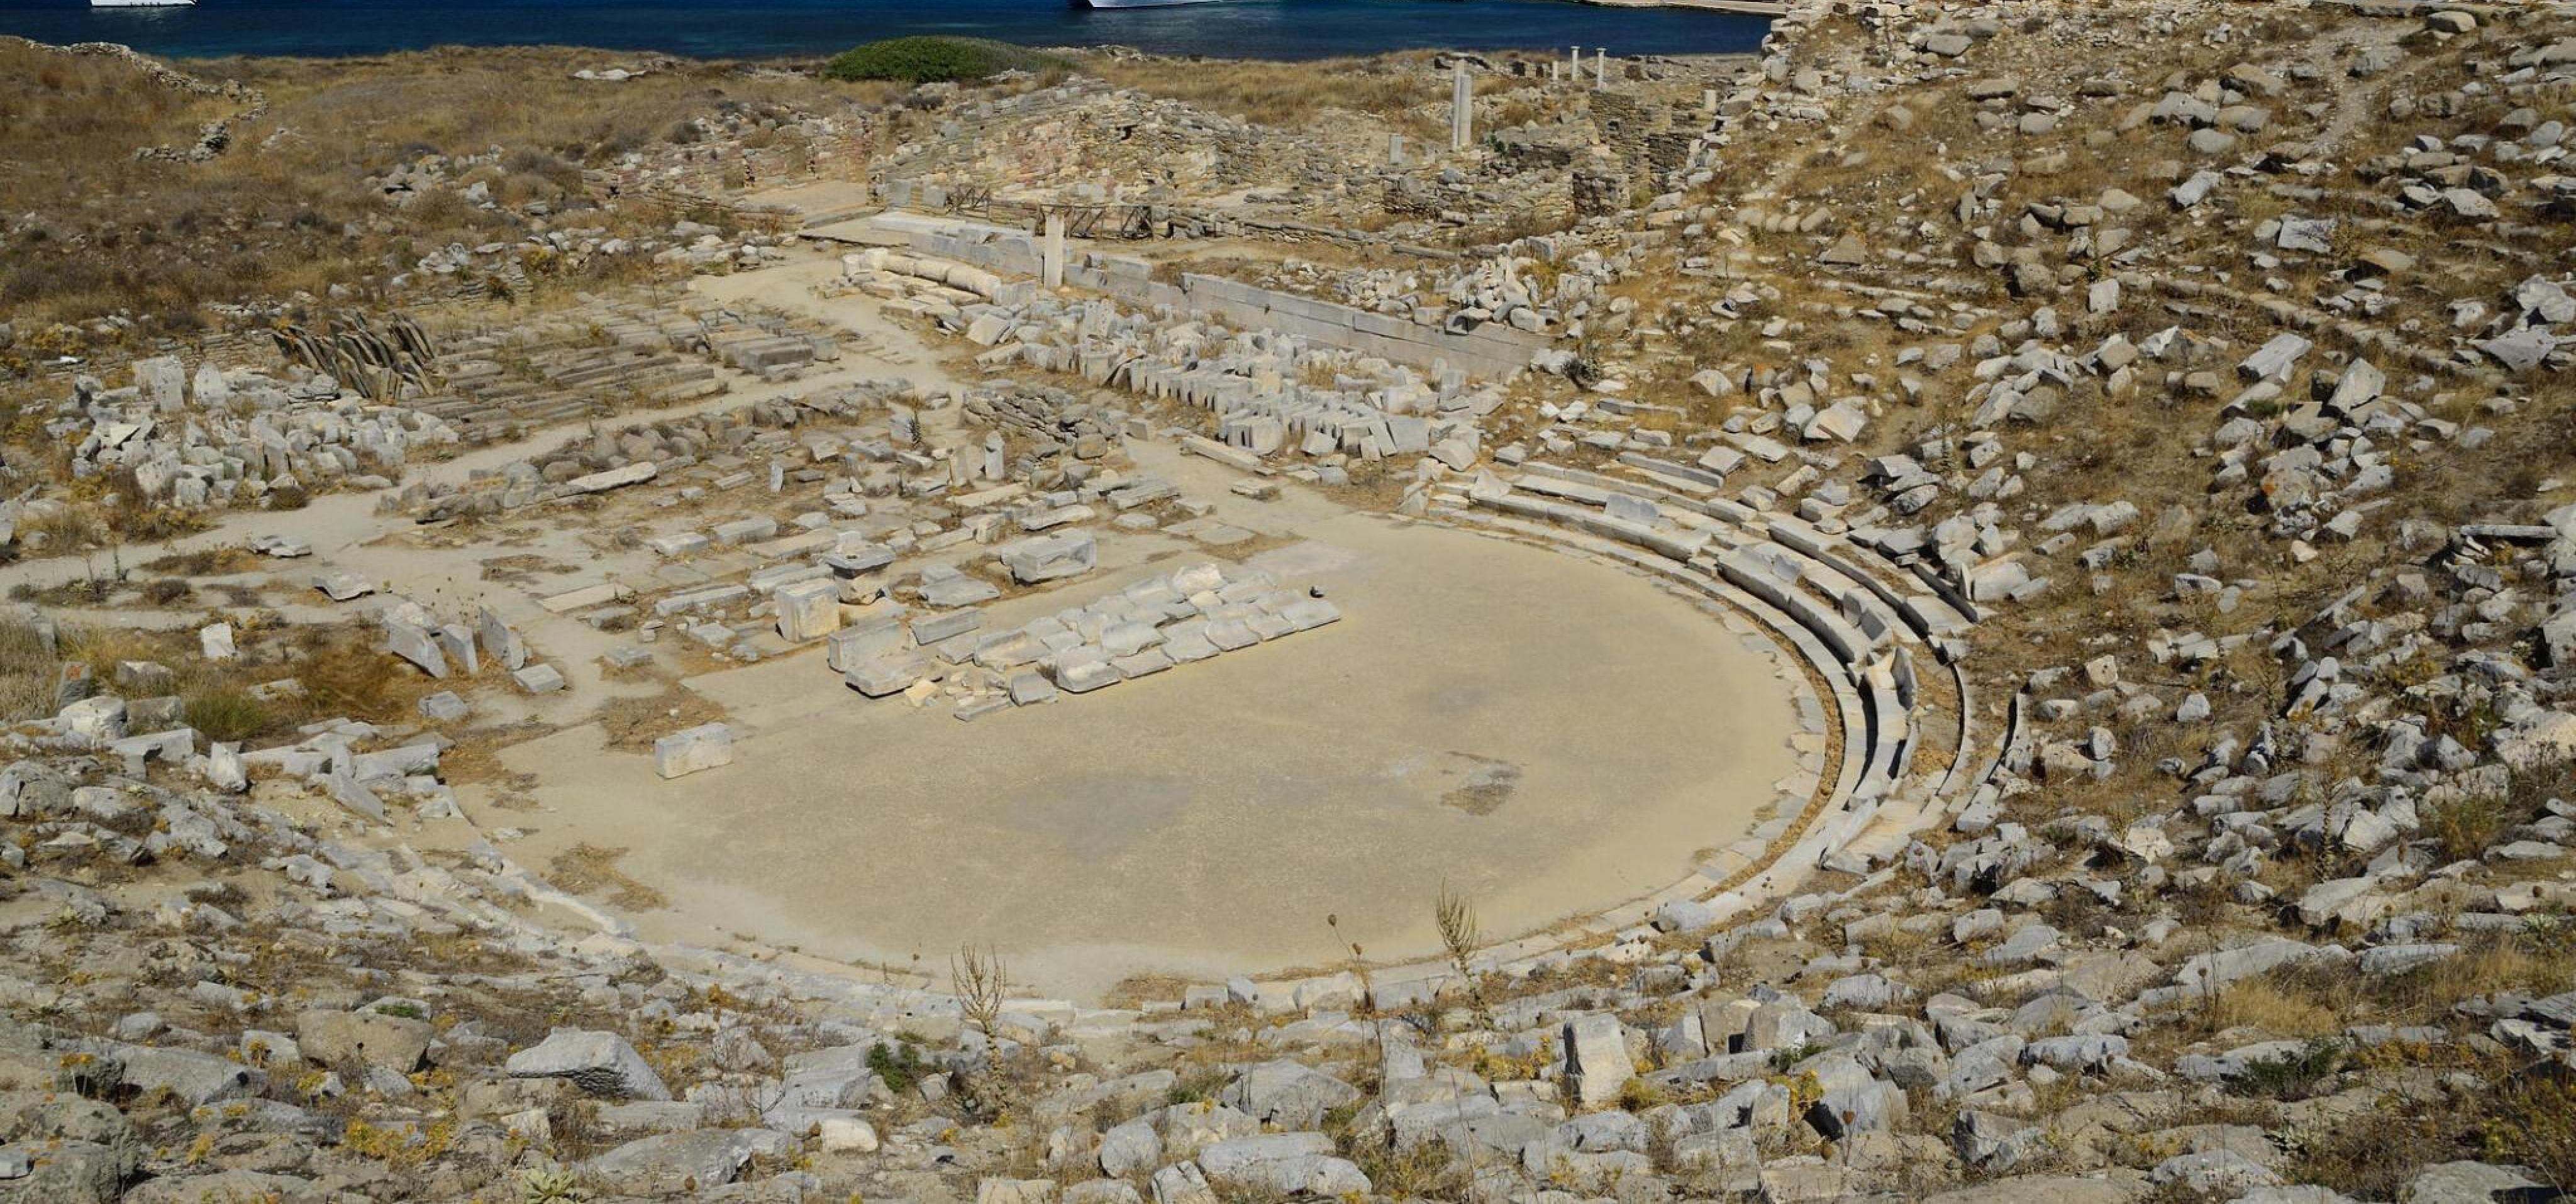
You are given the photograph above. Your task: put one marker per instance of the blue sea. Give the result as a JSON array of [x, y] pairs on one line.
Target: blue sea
[[1280, 29]]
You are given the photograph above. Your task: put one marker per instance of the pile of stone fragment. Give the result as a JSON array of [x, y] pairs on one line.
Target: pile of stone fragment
[[230, 437], [1189, 615]]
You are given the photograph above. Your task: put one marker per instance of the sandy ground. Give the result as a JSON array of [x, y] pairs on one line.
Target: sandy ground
[[1547, 736], [814, 197], [789, 288], [1206, 820]]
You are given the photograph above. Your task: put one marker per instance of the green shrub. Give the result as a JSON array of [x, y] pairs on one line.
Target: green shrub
[[228, 715], [1195, 1087], [2291, 1076], [922, 60], [899, 1066], [2464, 827]]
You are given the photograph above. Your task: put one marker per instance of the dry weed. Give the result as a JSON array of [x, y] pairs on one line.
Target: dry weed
[[589, 869]]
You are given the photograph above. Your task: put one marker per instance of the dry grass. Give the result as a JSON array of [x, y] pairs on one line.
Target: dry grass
[[1136, 990], [2374, 1155], [2540, 960], [2322, 1000], [211, 562], [293, 210], [1286, 95], [2463, 829], [633, 724], [26, 673], [589, 869], [344, 670], [2534, 1125], [475, 758], [2528, 1120]]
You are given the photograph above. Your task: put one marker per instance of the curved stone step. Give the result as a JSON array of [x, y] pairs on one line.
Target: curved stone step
[[1880, 743], [1927, 614], [1868, 813]]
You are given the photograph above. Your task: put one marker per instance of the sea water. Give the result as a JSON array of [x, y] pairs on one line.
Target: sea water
[[1284, 29]]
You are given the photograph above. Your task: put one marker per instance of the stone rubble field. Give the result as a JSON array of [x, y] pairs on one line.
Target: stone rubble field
[[2140, 429]]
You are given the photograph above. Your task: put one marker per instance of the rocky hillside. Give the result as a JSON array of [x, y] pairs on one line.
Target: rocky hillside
[[2208, 352]]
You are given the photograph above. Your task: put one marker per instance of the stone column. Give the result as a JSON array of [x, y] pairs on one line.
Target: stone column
[[1051, 253], [1574, 66], [1395, 150], [1708, 101], [1462, 110], [1600, 66]]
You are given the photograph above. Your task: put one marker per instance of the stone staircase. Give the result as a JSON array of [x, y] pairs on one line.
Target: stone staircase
[[592, 361]]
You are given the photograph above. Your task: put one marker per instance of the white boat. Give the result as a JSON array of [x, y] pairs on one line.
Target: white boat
[[142, 3], [1124, 3]]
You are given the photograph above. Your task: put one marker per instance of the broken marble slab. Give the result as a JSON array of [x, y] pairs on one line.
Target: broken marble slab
[[1030, 687], [414, 644], [947, 587], [807, 610], [693, 750], [343, 587], [981, 705], [931, 629], [864, 639], [499, 641], [679, 543], [1057, 517], [745, 530], [1039, 558], [457, 641], [851, 557], [598, 482], [443, 707], [1141, 664], [283, 547], [1307, 614], [886, 676], [598, 593]]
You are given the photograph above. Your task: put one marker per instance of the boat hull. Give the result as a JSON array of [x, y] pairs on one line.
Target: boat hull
[[142, 3], [1137, 3]]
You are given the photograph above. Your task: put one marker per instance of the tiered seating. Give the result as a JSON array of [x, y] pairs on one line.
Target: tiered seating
[[1865, 626]]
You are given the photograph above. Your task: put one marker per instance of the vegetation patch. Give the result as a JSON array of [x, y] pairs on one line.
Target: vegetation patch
[[228, 715], [2292, 1076], [923, 60], [900, 1065], [589, 869], [632, 724]]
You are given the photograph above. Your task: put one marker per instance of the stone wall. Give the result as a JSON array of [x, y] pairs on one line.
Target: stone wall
[[967, 134], [819, 149], [1646, 135], [1492, 351]]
